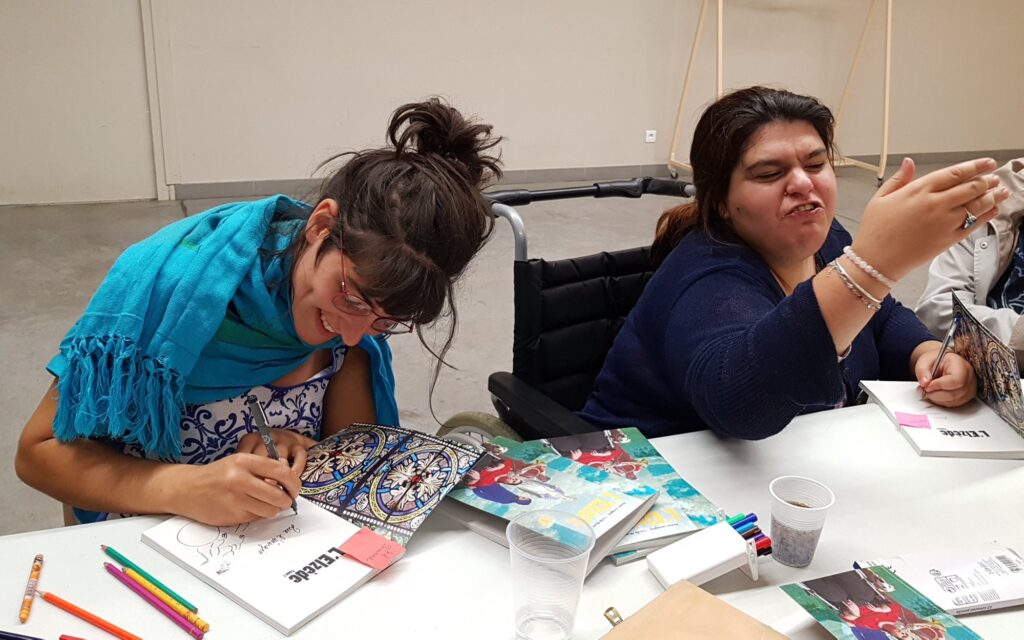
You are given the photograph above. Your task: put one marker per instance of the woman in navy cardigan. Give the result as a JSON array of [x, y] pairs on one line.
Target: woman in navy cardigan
[[763, 308]]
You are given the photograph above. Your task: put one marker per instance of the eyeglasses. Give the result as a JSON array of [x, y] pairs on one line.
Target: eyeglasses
[[352, 304]]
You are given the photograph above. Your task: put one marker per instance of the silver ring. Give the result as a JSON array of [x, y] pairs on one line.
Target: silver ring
[[970, 220]]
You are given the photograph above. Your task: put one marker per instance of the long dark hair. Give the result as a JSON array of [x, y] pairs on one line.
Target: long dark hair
[[722, 135], [411, 213]]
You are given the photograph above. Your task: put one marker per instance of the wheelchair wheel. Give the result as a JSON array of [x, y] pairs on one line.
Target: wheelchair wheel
[[476, 427]]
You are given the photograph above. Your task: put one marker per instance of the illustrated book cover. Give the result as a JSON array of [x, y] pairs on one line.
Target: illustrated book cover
[[515, 477], [875, 604], [680, 508], [386, 478]]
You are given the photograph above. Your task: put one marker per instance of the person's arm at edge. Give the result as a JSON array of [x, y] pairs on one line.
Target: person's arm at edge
[[94, 476], [349, 395]]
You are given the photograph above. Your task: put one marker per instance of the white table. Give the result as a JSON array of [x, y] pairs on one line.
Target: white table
[[454, 583]]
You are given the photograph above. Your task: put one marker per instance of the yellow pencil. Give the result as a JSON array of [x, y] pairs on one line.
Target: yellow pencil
[[30, 588], [168, 600]]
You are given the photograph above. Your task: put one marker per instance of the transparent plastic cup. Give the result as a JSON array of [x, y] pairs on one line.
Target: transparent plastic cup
[[549, 552], [799, 507]]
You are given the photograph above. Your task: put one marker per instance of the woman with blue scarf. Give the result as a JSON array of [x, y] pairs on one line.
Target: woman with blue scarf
[[276, 298]]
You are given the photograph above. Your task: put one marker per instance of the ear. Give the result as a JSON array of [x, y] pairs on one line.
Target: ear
[[723, 211], [322, 220]]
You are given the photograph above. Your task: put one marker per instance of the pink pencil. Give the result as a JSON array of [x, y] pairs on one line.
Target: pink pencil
[[193, 630]]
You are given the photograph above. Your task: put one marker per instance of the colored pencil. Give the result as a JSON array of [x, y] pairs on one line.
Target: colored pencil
[[65, 636], [110, 551], [10, 635], [764, 544], [168, 600], [192, 630], [92, 619], [30, 588], [751, 533]]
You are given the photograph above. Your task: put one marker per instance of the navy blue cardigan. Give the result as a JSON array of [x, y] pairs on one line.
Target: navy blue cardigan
[[714, 342]]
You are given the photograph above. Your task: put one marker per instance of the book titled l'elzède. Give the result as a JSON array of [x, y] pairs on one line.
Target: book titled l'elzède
[[288, 569]]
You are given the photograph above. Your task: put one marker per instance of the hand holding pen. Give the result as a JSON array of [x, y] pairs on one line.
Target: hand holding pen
[[259, 417], [949, 381]]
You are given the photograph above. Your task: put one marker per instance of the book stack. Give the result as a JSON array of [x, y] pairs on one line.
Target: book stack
[[615, 480]]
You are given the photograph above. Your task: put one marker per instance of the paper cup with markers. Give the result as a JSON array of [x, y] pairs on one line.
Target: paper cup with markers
[[799, 507]]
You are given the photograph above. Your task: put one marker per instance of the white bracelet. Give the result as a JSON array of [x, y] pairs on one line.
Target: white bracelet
[[867, 268]]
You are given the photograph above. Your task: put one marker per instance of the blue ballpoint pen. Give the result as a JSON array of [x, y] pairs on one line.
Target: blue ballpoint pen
[[260, 418]]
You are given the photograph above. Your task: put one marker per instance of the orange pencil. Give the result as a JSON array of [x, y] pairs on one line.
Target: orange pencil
[[92, 619], [30, 588]]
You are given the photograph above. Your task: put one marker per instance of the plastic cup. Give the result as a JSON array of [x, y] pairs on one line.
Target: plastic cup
[[549, 552], [799, 507]]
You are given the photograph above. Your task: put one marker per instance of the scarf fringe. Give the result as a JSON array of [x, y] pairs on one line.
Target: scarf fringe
[[111, 389]]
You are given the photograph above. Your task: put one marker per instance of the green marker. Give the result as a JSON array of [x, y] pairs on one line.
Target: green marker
[[736, 518], [128, 563]]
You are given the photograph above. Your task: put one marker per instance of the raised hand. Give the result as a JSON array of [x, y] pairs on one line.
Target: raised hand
[[908, 222]]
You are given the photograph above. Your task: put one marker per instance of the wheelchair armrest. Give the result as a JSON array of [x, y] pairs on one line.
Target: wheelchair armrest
[[537, 416]]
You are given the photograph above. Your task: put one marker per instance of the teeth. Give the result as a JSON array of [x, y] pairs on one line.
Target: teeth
[[327, 325], [806, 207]]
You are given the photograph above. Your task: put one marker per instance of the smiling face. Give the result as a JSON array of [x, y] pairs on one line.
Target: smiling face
[[782, 193], [316, 285]]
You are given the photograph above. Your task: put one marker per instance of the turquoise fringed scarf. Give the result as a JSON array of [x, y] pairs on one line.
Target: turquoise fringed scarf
[[198, 312]]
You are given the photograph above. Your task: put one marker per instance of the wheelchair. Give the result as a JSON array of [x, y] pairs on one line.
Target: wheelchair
[[566, 316]]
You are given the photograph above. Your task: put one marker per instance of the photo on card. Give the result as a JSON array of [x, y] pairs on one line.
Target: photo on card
[[874, 604]]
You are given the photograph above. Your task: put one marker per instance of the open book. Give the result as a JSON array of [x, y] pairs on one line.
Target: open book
[[515, 477], [289, 569], [680, 509], [992, 426]]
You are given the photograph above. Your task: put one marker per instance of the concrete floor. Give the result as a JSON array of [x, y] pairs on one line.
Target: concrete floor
[[53, 257]]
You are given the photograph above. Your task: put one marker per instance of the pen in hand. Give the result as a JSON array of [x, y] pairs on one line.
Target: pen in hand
[[944, 348], [260, 418]]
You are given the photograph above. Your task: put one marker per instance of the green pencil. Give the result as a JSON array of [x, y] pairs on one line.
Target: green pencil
[[128, 563], [736, 518]]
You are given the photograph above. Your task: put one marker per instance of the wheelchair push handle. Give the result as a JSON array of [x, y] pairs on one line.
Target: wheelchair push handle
[[633, 188]]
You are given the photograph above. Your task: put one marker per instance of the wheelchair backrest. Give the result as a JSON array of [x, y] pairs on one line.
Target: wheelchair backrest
[[567, 314]]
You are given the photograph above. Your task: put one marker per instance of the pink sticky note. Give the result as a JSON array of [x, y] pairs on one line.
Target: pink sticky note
[[917, 420], [372, 549]]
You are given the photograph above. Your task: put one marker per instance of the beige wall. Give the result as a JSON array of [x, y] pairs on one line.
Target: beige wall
[[74, 124], [263, 90]]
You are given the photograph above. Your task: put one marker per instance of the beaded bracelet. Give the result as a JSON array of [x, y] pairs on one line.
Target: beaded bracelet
[[867, 268], [870, 301]]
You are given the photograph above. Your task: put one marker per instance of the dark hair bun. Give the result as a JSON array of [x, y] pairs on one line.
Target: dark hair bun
[[433, 127]]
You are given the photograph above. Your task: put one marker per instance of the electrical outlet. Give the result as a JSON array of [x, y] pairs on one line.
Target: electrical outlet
[[650, 135]]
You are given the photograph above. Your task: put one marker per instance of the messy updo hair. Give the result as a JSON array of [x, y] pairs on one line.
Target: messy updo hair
[[722, 134], [411, 213]]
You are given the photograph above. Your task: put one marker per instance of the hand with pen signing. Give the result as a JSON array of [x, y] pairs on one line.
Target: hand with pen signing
[[955, 383], [291, 446], [241, 487]]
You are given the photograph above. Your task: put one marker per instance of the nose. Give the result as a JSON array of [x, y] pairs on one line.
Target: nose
[[353, 328], [799, 183]]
